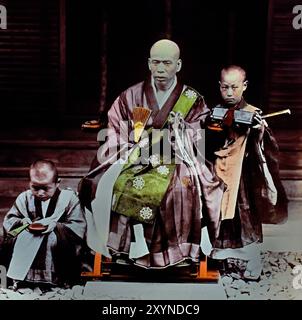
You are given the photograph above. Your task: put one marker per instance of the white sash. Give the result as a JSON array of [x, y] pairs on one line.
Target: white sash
[[98, 221]]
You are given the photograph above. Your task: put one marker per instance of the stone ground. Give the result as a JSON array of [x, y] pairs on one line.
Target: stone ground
[[276, 282], [281, 252]]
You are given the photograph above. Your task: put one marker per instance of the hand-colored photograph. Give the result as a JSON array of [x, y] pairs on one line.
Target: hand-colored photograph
[[151, 150]]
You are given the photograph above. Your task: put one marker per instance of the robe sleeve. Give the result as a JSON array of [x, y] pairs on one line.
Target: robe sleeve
[[212, 187], [74, 218], [118, 131], [199, 112], [16, 213]]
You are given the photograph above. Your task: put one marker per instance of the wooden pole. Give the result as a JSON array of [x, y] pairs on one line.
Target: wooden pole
[[168, 24], [103, 62]]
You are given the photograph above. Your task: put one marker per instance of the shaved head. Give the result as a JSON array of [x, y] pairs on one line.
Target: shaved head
[[165, 47], [44, 170], [164, 63], [236, 71]]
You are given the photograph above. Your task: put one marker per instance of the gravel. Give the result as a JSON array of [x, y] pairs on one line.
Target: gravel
[[276, 282]]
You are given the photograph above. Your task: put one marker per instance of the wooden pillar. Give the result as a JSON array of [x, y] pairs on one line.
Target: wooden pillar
[[62, 94], [103, 62], [268, 51], [168, 17], [231, 35]]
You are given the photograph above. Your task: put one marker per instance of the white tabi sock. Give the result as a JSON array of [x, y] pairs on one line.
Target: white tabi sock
[[139, 247]]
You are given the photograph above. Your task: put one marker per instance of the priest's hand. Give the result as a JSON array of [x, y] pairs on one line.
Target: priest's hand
[[50, 227]]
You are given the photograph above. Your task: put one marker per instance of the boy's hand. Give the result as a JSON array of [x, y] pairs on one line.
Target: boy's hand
[[260, 125], [50, 227], [26, 221]]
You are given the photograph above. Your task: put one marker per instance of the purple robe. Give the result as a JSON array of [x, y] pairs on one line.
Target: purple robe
[[175, 234]]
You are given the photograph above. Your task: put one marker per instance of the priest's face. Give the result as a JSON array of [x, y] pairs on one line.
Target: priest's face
[[164, 63], [43, 185], [232, 86]]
